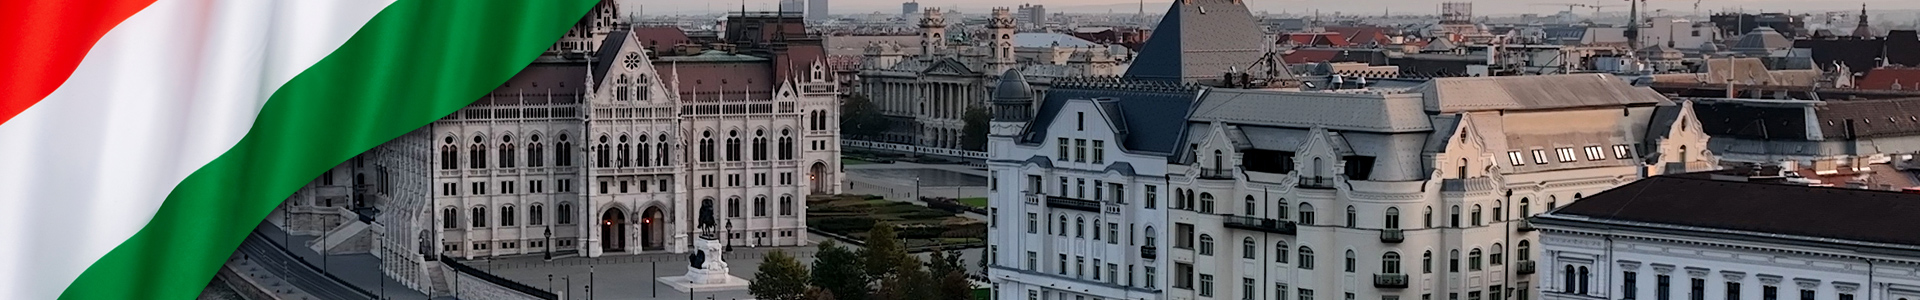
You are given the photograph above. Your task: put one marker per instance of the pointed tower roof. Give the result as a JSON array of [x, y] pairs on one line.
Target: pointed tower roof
[[1199, 39]]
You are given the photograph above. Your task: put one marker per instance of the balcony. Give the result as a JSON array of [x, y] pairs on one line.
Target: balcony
[[1464, 185], [1390, 281], [1524, 226], [1316, 182], [1033, 199], [1259, 224], [1074, 204], [1523, 267], [1392, 236], [1149, 252], [1216, 174]]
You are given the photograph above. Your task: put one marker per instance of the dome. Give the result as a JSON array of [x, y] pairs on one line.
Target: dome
[[1763, 38], [1012, 87], [1439, 45]]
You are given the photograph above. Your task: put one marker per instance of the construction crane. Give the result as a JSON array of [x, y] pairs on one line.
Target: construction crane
[[1570, 6]]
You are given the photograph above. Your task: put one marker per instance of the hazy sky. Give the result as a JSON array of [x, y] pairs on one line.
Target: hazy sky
[[1298, 6]]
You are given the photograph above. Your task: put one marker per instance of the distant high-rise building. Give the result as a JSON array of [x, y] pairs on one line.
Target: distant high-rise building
[[817, 10], [793, 6], [1032, 15], [909, 8]]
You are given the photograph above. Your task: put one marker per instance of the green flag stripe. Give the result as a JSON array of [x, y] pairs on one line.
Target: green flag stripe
[[414, 62]]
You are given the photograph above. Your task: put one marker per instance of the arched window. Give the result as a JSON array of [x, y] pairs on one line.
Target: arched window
[[1455, 215], [1353, 217], [733, 145], [786, 205], [786, 144], [1390, 263], [1453, 261], [1063, 225], [536, 214], [1524, 210], [1280, 250], [1393, 218], [1206, 244], [1497, 215], [624, 152], [1473, 259], [449, 218], [563, 152], [1495, 257], [1206, 203], [564, 215], [1281, 209], [479, 216], [1151, 237], [733, 207], [1584, 279], [1252, 209], [706, 146], [1523, 251], [477, 154], [1426, 262], [1247, 249], [536, 153], [1306, 258], [1219, 161], [1476, 215], [507, 152], [1426, 220], [665, 152], [1552, 202], [449, 155], [603, 155], [645, 159], [506, 215], [1080, 227], [759, 145], [1306, 213], [1350, 261], [760, 206], [1570, 284]]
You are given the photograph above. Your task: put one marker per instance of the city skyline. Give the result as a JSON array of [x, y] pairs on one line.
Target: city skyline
[[1397, 7]]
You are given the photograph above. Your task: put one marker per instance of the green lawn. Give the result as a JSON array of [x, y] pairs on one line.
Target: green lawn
[[850, 161], [982, 294], [980, 202]]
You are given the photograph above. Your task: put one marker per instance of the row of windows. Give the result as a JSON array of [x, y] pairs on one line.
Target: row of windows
[[477, 216], [505, 187], [1111, 271], [508, 154], [733, 150], [759, 206], [1566, 154], [1079, 153], [1577, 278], [1390, 261], [1205, 204], [563, 243]]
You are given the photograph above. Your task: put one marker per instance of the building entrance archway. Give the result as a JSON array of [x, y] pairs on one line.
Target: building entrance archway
[[652, 229], [613, 230]]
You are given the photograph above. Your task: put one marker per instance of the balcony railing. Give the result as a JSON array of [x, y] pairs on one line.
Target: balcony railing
[[1392, 236], [1260, 224], [1391, 281], [1316, 182], [1524, 226], [1074, 204], [1033, 199], [1210, 173], [1523, 267], [1149, 252]]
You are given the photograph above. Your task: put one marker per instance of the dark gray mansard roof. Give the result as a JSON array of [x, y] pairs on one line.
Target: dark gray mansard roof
[[608, 55], [1798, 212], [1148, 115], [1200, 39]]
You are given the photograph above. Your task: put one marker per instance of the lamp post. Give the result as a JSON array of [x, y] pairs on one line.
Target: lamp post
[[728, 239], [549, 245], [916, 188]]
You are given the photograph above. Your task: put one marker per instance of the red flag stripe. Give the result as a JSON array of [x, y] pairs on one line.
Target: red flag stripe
[[45, 42]]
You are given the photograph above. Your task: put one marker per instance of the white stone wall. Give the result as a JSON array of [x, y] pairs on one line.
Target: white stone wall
[[1608, 254]]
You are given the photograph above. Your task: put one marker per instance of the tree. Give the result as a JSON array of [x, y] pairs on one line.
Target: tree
[[780, 278], [884, 253], [908, 282], [840, 272], [949, 275], [816, 293], [859, 117], [974, 132]]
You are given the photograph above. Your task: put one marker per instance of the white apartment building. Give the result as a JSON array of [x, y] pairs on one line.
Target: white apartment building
[[1077, 211], [1699, 237], [1413, 192]]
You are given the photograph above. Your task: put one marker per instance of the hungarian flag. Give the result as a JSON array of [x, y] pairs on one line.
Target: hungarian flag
[[141, 140]]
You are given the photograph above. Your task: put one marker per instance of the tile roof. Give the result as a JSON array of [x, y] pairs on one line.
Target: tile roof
[[1817, 212], [1870, 118], [1336, 111], [1047, 39], [1886, 78], [1535, 92], [1200, 39]]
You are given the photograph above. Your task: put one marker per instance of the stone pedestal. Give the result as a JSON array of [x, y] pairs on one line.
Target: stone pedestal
[[709, 275]]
